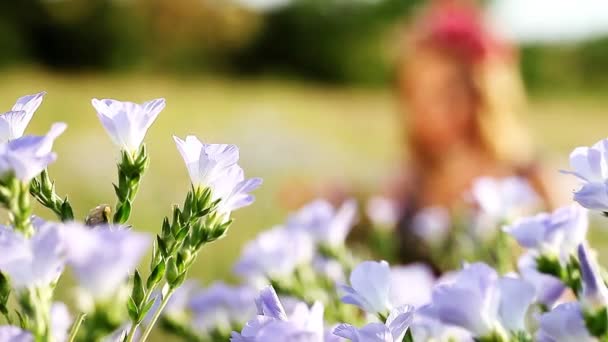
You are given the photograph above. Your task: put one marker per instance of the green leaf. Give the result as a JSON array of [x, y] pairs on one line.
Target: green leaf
[[67, 213], [162, 246], [138, 292], [132, 309], [123, 212], [147, 307], [156, 276], [171, 273]]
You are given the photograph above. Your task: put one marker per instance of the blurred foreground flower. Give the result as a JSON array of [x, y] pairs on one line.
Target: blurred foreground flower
[[565, 323], [103, 257], [33, 262]]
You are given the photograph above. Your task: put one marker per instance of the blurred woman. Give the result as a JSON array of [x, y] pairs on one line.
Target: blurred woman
[[459, 92]]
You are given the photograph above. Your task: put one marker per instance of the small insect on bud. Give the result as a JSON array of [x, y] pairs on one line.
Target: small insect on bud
[[98, 215]]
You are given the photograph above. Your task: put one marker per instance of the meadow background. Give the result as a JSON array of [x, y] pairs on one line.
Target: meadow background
[[303, 87]]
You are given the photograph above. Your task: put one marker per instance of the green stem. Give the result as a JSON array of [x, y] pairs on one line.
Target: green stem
[[43, 190], [19, 207], [135, 325], [76, 326], [157, 314]]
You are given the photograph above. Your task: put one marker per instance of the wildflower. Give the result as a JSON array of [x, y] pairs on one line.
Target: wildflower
[[557, 233], [274, 253], [481, 302], [27, 156], [411, 284], [590, 165], [102, 257], [215, 166], [127, 122], [369, 287], [61, 321], [223, 306], [324, 224], [33, 262], [15, 334], [595, 293], [565, 323], [273, 325], [397, 324], [14, 122], [432, 224], [427, 326], [548, 288], [382, 211], [500, 201]]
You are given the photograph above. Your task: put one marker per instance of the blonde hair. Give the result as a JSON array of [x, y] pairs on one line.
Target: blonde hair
[[503, 101]]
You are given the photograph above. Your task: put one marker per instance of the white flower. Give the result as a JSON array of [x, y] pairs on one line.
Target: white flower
[[369, 288], [215, 166], [127, 122], [590, 165], [14, 122]]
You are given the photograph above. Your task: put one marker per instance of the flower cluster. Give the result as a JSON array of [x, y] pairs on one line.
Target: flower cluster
[[539, 278], [102, 251]]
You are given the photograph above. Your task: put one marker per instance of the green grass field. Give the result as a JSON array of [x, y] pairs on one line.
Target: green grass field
[[289, 133]]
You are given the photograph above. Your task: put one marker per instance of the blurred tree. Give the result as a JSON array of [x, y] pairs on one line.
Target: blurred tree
[[329, 40], [74, 33]]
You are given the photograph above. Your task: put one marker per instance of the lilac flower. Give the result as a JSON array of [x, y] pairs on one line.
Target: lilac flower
[[565, 323], [397, 324], [33, 262], [481, 302], [428, 327], [590, 165], [369, 287], [325, 225], [274, 253], [382, 211], [102, 257], [180, 300], [331, 269], [432, 224], [273, 325], [411, 284], [10, 333], [215, 166], [595, 292], [127, 122], [557, 233], [27, 156], [61, 321], [548, 288], [222, 305], [14, 122], [500, 201]]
